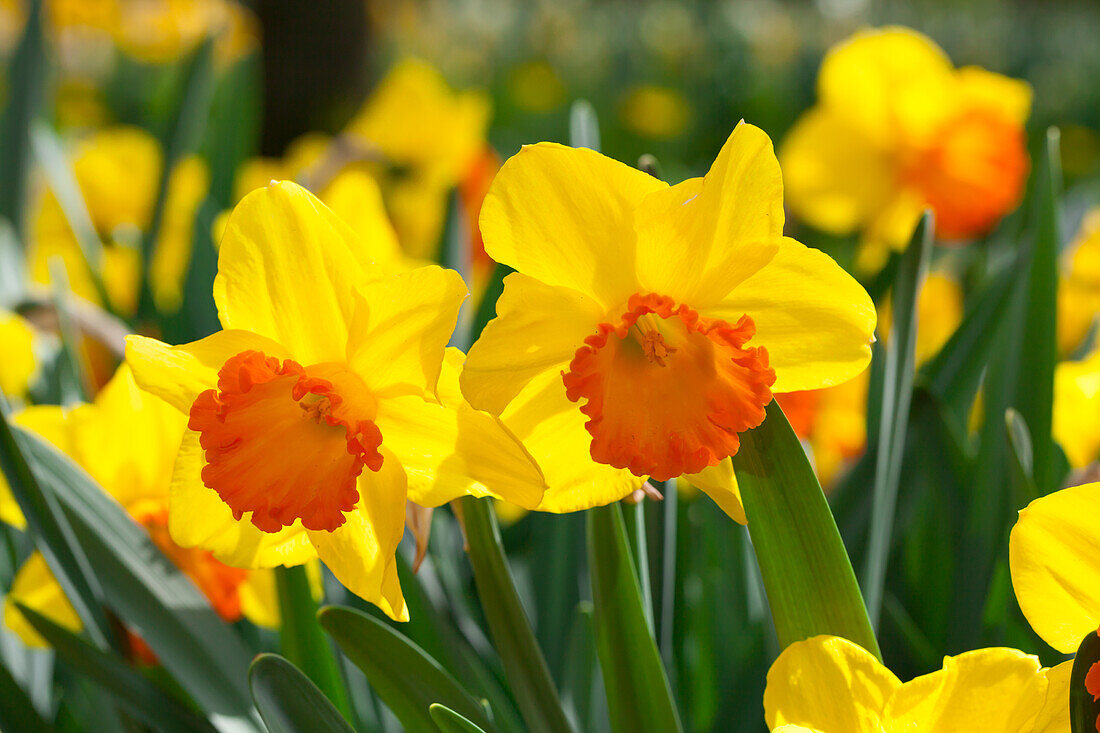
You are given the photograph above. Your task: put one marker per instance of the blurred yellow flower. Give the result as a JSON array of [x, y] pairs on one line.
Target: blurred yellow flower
[[652, 340], [830, 685], [1077, 409], [534, 86], [305, 151], [939, 313], [426, 137], [118, 172], [1079, 285], [328, 365], [127, 441], [160, 31], [655, 112], [897, 128], [17, 361]]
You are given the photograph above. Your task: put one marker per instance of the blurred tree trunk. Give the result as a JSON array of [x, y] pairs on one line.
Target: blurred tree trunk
[[314, 58]]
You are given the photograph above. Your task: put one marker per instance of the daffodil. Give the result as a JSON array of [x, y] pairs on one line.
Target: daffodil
[[17, 360], [425, 138], [1054, 558], [118, 171], [1077, 409], [648, 325], [160, 31], [1079, 285], [830, 685], [126, 440], [896, 128], [655, 112], [320, 409]]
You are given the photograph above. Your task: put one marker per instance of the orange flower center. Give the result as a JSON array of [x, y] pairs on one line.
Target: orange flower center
[[973, 173], [218, 582], [286, 442], [666, 390], [1092, 685]]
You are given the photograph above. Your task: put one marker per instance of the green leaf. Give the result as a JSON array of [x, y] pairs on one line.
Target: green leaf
[[26, 73], [233, 126], [809, 580], [301, 638], [1019, 440], [638, 693], [449, 721], [288, 701], [524, 664], [1034, 396], [143, 699], [1084, 711], [584, 127], [403, 675], [486, 309], [16, 710], [148, 591], [897, 393], [52, 532]]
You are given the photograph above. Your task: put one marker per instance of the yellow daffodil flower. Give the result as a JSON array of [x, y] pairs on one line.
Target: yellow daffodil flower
[[118, 171], [426, 137], [160, 31], [897, 128], [830, 685], [17, 361], [320, 407], [1054, 558], [666, 316], [1079, 285], [127, 440], [1077, 409], [655, 112]]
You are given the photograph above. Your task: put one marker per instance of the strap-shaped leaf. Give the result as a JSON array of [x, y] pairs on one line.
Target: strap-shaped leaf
[[449, 721], [403, 675], [288, 701]]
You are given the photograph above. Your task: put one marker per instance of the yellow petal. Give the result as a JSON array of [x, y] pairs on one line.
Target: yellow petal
[[178, 374], [197, 517], [538, 328], [450, 449], [552, 430], [287, 270], [355, 197], [260, 598], [720, 484], [977, 87], [361, 552], [1054, 556], [834, 179], [879, 78], [997, 690], [699, 239], [1077, 409], [815, 320], [1054, 715], [565, 216], [401, 326], [36, 588], [830, 684], [17, 364]]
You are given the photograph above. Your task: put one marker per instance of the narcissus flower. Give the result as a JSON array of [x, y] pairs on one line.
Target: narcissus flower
[[1054, 558], [127, 440], [118, 171], [1077, 409], [17, 361], [320, 408], [1079, 286], [648, 325], [898, 128], [830, 685]]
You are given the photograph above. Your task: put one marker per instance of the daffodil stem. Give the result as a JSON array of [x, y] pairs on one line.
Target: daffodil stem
[[634, 516], [302, 640], [524, 663]]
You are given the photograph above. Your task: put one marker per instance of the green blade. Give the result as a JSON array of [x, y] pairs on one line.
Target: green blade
[[148, 591], [807, 574], [301, 638], [288, 701], [403, 675], [26, 93], [449, 721], [524, 664], [638, 693], [141, 698], [16, 710], [897, 393]]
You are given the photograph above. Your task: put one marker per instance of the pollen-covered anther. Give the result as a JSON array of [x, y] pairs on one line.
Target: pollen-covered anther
[[285, 442], [666, 390]]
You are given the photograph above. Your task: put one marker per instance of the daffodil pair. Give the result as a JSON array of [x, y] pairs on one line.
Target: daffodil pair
[[126, 440], [647, 325], [326, 403], [898, 128]]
